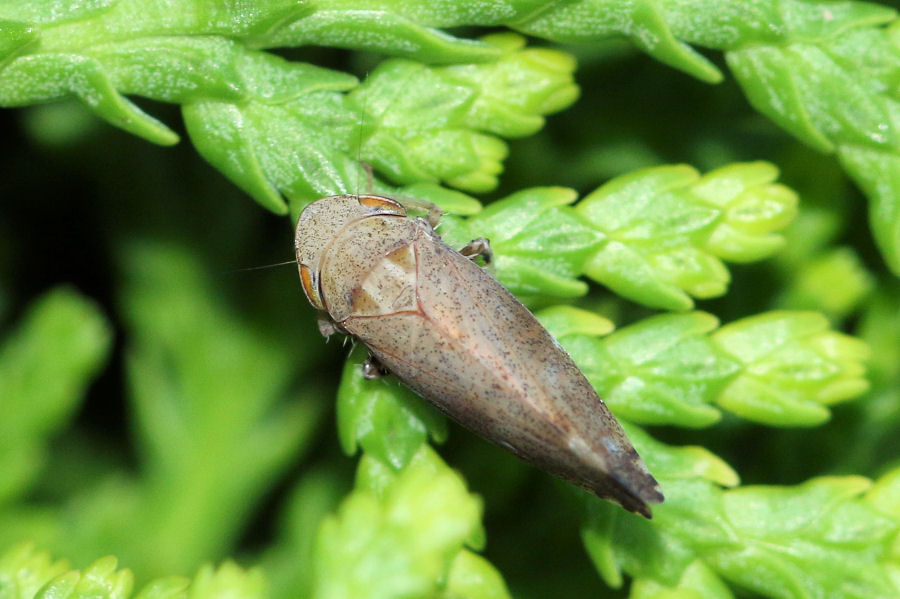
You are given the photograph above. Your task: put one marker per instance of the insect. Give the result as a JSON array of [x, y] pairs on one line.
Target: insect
[[448, 330]]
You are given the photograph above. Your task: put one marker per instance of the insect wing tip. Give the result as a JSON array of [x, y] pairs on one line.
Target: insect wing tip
[[637, 498], [644, 490]]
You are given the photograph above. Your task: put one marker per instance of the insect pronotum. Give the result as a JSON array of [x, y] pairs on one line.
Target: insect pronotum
[[453, 334]]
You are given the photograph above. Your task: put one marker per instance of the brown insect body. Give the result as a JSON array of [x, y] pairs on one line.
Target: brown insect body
[[449, 331]]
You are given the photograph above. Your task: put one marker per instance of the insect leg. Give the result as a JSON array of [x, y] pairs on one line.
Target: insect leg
[[432, 212], [373, 369], [478, 248], [326, 326]]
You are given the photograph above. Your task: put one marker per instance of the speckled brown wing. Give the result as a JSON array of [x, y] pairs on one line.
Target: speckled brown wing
[[453, 334]]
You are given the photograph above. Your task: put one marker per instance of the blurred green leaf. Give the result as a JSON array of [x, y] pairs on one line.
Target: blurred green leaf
[[209, 394], [873, 436], [474, 577], [214, 429], [46, 365], [697, 582], [24, 570], [397, 533], [834, 282], [228, 580], [100, 579], [287, 561], [172, 587]]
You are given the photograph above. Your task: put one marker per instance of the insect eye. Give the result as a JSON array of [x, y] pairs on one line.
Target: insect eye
[[309, 288], [382, 204]]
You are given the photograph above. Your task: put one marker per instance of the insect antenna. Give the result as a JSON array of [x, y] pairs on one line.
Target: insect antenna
[[370, 176], [264, 266]]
